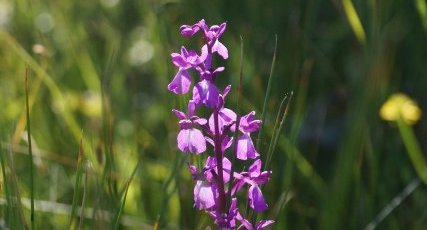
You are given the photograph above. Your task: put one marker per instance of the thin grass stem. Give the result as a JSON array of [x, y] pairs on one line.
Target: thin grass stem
[[82, 210], [30, 150], [77, 182], [408, 190], [276, 132], [267, 96], [124, 194]]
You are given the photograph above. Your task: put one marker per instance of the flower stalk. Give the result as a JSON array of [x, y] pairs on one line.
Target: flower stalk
[[221, 130]]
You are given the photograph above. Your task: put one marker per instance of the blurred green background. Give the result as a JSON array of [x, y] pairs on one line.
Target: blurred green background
[[98, 72]]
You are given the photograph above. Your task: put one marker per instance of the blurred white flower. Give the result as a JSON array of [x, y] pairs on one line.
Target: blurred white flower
[[141, 52], [6, 10], [44, 22], [109, 3]]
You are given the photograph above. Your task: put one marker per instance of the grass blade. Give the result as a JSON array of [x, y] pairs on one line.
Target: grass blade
[[16, 196], [422, 11], [281, 116], [354, 21], [30, 150], [267, 96], [82, 210], [124, 194], [5, 187], [77, 182], [177, 166], [394, 203]]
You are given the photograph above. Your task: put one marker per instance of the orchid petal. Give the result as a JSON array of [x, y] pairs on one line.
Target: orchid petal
[[220, 49], [191, 141], [181, 82], [256, 200], [203, 195], [207, 93], [245, 148], [263, 224], [179, 114]]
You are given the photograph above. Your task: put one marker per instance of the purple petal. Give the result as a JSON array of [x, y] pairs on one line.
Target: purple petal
[[245, 148], [199, 121], [179, 61], [185, 124], [210, 141], [228, 116], [263, 178], [225, 118], [263, 224], [188, 30], [192, 58], [255, 169], [206, 92], [238, 183], [211, 164], [226, 91], [221, 49], [226, 166], [256, 199], [193, 170], [204, 53], [244, 222], [203, 195], [181, 82], [226, 143], [191, 141], [179, 114], [221, 29], [232, 213], [218, 70], [191, 108], [248, 124]]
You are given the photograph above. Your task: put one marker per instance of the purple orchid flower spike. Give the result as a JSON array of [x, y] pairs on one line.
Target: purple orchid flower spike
[[187, 59], [190, 139], [211, 188]]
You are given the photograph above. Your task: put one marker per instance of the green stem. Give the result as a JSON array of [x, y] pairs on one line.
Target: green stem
[[30, 151], [413, 149]]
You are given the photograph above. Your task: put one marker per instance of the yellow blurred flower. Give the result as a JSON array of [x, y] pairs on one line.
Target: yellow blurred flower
[[400, 106]]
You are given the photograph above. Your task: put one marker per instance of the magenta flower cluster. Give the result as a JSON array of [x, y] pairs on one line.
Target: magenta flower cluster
[[217, 183]]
